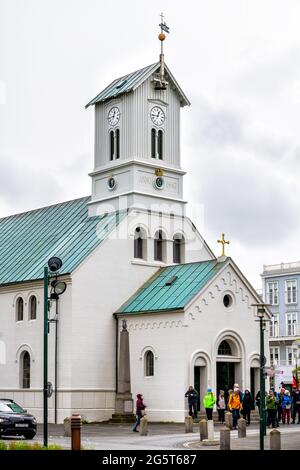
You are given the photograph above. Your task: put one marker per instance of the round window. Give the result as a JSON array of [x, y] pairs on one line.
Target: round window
[[227, 300], [111, 183], [159, 182]]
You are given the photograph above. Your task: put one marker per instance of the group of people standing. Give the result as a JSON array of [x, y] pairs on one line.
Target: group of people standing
[[282, 406], [234, 401]]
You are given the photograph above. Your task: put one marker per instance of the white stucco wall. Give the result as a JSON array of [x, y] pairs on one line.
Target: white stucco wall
[[86, 353], [27, 335], [178, 340]]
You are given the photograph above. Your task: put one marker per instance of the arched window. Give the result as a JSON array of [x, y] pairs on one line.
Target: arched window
[[224, 349], [20, 309], [32, 308], [25, 364], [139, 243], [178, 248], [111, 144], [160, 144], [117, 136], [153, 143], [159, 246], [149, 364]]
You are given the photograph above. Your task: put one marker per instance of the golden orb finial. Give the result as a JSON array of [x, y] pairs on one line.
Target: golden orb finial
[[161, 36]]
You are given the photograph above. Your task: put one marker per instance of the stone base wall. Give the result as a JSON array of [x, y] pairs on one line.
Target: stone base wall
[[92, 405]]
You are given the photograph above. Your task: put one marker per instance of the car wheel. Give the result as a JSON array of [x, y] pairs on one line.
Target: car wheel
[[29, 435]]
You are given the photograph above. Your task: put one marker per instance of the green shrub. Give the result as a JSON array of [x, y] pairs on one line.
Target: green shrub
[[3, 446], [19, 445], [24, 445], [53, 447]]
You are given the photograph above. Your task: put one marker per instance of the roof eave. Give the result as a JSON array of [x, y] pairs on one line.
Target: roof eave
[[149, 312]]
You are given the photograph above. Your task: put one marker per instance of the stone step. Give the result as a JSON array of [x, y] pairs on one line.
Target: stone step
[[126, 418]]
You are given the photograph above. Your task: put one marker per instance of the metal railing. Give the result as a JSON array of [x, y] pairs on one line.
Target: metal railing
[[268, 268], [284, 362], [284, 331]]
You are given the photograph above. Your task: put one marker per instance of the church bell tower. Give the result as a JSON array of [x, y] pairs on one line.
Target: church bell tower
[[137, 141]]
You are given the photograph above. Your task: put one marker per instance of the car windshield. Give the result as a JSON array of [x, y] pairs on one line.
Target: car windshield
[[10, 407]]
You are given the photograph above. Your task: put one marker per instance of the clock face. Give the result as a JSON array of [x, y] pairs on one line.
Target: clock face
[[113, 116], [157, 115]]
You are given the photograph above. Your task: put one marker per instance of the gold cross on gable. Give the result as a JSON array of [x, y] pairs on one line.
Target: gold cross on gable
[[224, 242]]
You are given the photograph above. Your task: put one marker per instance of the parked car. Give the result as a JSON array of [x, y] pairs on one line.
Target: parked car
[[15, 421]]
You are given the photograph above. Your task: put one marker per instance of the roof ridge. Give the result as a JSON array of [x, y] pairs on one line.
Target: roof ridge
[[44, 207], [136, 71], [112, 85]]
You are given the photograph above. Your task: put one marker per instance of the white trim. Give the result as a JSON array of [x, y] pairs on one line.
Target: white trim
[[114, 164], [194, 356], [273, 292], [293, 315], [231, 263], [292, 281], [272, 321], [272, 351], [140, 193], [21, 349]]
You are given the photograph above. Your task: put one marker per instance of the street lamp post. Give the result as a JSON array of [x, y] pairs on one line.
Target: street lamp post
[[57, 288], [262, 415], [262, 424], [45, 386]]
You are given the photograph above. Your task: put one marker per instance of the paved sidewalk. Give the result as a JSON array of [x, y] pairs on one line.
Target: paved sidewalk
[[106, 436]]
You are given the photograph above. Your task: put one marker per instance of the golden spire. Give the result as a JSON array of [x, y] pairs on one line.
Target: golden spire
[[224, 242]]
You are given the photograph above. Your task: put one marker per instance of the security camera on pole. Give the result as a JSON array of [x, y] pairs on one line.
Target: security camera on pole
[[57, 288]]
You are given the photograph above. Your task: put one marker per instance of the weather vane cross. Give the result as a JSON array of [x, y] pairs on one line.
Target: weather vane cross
[[163, 25], [224, 242], [161, 85]]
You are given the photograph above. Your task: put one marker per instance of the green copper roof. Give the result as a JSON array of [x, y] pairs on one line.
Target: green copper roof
[[131, 81], [28, 240], [185, 280]]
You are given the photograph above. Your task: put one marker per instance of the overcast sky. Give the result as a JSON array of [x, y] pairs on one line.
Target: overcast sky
[[238, 61]]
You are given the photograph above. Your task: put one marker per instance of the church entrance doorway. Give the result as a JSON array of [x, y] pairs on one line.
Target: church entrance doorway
[[229, 366], [225, 377]]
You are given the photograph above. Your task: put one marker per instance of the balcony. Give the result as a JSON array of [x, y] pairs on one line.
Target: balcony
[[281, 268], [287, 333], [284, 362]]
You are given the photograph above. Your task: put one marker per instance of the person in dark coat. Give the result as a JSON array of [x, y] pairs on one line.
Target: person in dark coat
[[192, 396], [247, 403], [296, 404], [140, 408]]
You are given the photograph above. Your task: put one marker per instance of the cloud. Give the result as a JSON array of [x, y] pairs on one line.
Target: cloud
[[25, 188], [241, 177]]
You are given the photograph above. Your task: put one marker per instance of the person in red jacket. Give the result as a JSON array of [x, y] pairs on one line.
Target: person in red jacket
[[140, 408]]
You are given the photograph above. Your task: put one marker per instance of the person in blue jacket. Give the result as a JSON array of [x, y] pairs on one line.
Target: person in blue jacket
[[286, 407]]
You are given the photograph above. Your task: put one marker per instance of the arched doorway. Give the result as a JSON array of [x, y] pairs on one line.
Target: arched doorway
[[228, 364], [201, 374]]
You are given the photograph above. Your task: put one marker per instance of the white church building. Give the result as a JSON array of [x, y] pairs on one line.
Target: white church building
[[128, 252]]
